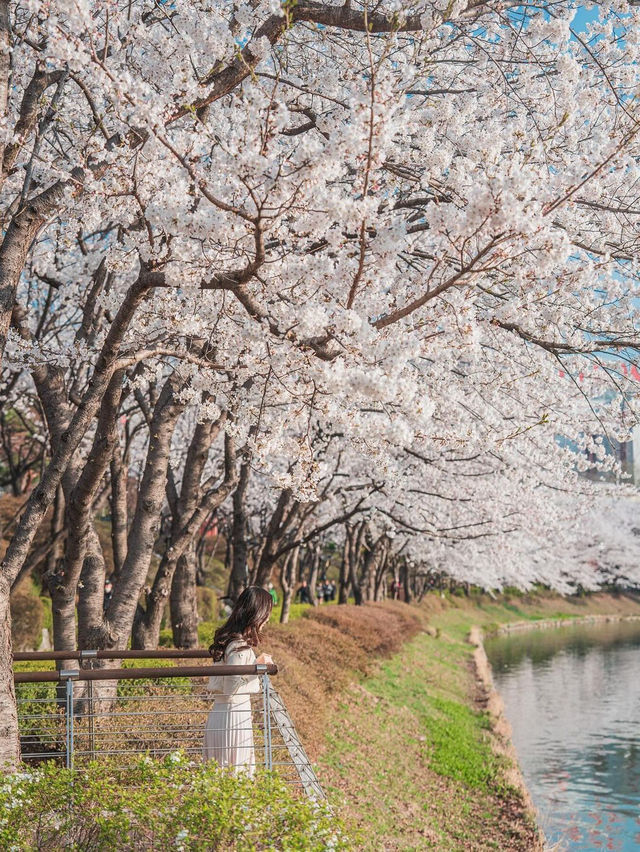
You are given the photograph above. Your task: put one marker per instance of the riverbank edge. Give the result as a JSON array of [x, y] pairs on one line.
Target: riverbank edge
[[547, 623], [490, 700], [361, 639], [344, 763]]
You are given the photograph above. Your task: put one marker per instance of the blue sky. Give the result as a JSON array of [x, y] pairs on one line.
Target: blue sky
[[583, 17]]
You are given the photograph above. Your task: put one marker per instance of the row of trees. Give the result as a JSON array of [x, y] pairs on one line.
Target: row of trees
[[362, 273]]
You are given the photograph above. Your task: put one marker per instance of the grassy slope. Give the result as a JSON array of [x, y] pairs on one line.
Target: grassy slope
[[408, 749]]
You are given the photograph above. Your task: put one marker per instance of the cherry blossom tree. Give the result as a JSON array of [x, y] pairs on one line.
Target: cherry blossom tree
[[411, 225]]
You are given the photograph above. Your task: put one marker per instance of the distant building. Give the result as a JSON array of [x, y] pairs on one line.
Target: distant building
[[626, 453]]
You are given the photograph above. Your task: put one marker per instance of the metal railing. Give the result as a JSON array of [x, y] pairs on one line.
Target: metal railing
[[77, 715]]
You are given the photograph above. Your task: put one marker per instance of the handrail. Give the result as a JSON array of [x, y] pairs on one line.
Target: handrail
[[138, 674], [74, 725], [159, 654]]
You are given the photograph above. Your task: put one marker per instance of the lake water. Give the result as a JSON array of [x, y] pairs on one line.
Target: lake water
[[572, 696]]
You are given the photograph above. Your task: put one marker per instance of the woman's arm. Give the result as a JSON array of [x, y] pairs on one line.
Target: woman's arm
[[239, 684], [215, 684]]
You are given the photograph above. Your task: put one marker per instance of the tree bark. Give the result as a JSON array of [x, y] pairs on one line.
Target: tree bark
[[119, 525], [44, 493], [57, 525], [239, 578], [81, 533], [367, 571], [5, 68], [147, 621], [406, 581], [146, 521], [354, 535], [183, 601], [15, 246], [286, 512], [91, 590], [313, 573], [343, 579], [381, 570], [9, 736], [29, 110]]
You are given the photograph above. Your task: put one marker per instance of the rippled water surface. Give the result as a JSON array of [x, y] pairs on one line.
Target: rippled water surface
[[572, 696]]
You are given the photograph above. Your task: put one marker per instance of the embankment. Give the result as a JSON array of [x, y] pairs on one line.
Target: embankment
[[396, 708]]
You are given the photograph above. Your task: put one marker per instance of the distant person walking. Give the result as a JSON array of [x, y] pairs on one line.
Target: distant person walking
[[108, 592], [228, 736], [303, 593]]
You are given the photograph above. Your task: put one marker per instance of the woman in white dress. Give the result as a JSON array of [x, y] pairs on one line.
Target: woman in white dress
[[228, 736]]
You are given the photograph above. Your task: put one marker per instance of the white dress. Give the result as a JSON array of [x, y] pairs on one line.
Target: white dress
[[228, 736]]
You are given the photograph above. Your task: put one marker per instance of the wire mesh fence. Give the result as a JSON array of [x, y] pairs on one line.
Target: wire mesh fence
[[76, 716]]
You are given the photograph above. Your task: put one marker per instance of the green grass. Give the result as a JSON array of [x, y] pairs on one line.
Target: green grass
[[415, 756], [458, 750], [455, 732], [411, 753]]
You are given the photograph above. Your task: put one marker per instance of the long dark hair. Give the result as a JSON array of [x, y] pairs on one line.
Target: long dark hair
[[251, 611]]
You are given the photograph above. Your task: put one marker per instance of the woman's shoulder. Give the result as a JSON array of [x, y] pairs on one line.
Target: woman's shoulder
[[238, 646]]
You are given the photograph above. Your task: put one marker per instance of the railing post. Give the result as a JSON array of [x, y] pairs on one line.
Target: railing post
[[91, 656], [267, 702], [69, 675], [92, 729], [266, 718]]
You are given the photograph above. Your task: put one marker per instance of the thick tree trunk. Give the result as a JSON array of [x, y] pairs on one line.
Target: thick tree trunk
[[364, 582], [355, 587], [380, 591], [63, 613], [91, 592], [147, 621], [268, 561], [354, 535], [380, 568], [406, 581], [57, 525], [9, 736], [183, 601], [239, 578]]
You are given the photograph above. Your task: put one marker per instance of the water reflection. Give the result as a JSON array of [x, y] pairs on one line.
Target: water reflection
[[572, 696]]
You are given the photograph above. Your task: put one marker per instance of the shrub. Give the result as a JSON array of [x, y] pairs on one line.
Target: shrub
[[173, 804]]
